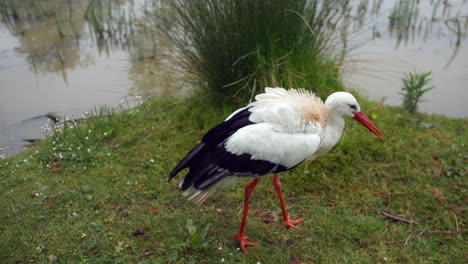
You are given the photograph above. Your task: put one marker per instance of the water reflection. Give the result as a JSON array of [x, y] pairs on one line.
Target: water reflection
[[49, 34], [69, 57], [399, 36]]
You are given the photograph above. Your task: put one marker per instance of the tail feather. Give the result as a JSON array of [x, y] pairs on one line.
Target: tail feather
[[185, 162], [199, 196]]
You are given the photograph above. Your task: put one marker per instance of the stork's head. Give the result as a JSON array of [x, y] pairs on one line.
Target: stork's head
[[344, 104]]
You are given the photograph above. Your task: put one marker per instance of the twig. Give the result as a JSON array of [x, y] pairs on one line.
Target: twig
[[399, 219], [408, 239], [456, 222], [450, 232], [243, 56], [411, 238], [238, 81], [425, 233], [14, 211]]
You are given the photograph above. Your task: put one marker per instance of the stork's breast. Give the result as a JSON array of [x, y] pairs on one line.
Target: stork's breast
[[263, 142]]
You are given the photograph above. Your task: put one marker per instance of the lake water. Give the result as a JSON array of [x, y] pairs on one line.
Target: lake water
[[377, 63], [70, 69]]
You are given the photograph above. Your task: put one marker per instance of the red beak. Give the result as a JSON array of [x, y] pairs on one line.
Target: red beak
[[363, 119]]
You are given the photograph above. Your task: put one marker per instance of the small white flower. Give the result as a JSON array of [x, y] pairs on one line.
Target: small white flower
[[89, 150], [152, 160], [222, 260], [105, 133], [73, 214], [40, 248], [89, 131], [79, 148], [220, 248], [84, 168], [25, 160], [37, 151], [87, 138], [108, 154]]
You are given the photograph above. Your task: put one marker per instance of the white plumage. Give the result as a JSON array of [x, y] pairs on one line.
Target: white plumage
[[267, 141], [275, 133], [287, 127]]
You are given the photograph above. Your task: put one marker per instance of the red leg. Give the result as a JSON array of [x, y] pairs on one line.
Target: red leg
[[240, 235], [287, 221]]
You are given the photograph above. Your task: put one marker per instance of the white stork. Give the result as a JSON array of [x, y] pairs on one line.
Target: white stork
[[275, 133]]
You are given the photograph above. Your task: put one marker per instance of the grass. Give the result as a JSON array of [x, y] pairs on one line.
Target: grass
[[414, 87], [98, 193], [235, 48]]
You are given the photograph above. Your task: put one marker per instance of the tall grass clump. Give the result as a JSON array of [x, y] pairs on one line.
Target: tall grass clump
[[235, 48]]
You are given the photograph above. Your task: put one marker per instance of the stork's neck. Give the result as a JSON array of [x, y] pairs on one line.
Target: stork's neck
[[334, 128]]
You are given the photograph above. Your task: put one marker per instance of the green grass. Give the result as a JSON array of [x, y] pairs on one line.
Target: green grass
[[234, 48], [113, 204]]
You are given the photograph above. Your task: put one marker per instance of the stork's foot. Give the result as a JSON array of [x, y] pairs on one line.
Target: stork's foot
[[243, 242], [291, 223]]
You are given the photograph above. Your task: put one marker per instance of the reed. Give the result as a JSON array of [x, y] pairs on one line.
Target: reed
[[403, 18], [8, 10], [235, 48], [58, 25], [92, 14]]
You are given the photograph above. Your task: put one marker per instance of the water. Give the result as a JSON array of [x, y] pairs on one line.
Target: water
[[42, 72], [70, 67], [382, 56]]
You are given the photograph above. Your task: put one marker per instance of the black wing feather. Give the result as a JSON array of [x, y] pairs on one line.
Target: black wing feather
[[222, 131], [211, 139], [223, 163], [184, 163], [209, 162]]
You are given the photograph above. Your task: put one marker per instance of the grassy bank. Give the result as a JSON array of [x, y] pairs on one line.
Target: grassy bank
[[98, 193]]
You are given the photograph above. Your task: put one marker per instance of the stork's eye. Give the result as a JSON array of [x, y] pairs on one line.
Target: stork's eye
[[353, 107]]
